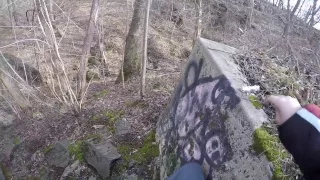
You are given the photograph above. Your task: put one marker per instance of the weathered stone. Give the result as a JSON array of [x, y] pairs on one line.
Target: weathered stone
[[210, 121], [101, 156], [6, 119], [58, 156], [92, 178], [69, 169], [1, 175], [122, 127]]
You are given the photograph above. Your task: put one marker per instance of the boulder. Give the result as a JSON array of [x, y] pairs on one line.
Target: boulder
[[58, 156], [69, 169], [6, 118], [101, 156], [122, 127]]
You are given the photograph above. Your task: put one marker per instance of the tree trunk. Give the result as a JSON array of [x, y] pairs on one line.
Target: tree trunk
[[290, 17], [10, 11], [50, 3], [66, 94], [250, 13], [301, 8], [86, 49], [145, 49], [132, 54], [198, 26], [314, 11], [307, 15]]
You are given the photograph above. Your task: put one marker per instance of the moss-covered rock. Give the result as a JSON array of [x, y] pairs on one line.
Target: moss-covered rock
[[270, 145], [255, 102], [78, 150], [92, 76]]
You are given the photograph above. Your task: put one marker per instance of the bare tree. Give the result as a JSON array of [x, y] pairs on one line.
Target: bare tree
[[50, 4], [145, 49], [301, 7], [86, 49], [250, 13], [10, 11], [314, 11], [132, 54], [289, 17], [66, 93], [306, 17], [198, 26]]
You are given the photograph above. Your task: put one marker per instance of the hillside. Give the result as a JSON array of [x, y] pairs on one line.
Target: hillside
[[287, 66]]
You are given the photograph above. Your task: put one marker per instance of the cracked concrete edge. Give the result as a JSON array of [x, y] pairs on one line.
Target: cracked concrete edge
[[243, 120]]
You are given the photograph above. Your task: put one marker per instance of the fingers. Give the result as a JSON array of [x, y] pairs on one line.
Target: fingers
[[274, 100]]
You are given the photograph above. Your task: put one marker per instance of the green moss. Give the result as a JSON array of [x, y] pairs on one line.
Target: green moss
[[255, 102], [96, 138], [112, 118], [101, 94], [77, 150], [144, 154], [92, 76], [47, 149], [172, 162], [270, 145], [16, 141], [138, 103], [6, 172], [108, 118]]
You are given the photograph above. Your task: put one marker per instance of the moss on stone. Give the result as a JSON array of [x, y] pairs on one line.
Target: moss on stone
[[92, 76], [108, 118], [6, 172], [16, 141], [171, 162], [255, 102], [148, 151], [112, 118], [77, 150], [47, 148], [144, 154], [95, 138], [270, 145]]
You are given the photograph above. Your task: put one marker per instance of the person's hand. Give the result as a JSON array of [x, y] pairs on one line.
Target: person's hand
[[285, 107]]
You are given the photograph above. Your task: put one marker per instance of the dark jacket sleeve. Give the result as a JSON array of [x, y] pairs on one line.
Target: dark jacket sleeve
[[301, 137]]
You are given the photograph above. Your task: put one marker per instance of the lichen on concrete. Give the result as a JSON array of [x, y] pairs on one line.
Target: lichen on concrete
[[270, 145]]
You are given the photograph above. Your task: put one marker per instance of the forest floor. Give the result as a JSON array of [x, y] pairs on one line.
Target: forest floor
[[48, 122]]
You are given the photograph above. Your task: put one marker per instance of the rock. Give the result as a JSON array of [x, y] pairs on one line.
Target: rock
[[58, 156], [1, 175], [92, 178], [69, 169], [101, 156], [122, 127], [6, 119]]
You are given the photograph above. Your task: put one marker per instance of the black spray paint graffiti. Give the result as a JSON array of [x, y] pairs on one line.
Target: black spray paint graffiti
[[197, 120]]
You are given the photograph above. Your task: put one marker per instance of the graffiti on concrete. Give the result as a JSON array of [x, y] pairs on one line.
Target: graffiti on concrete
[[197, 120]]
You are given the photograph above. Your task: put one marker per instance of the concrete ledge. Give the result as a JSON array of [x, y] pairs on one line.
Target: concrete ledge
[[209, 121]]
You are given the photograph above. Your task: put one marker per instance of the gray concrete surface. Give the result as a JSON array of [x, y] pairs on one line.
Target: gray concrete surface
[[210, 121]]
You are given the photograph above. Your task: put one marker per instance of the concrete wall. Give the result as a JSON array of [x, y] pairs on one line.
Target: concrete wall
[[209, 121]]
